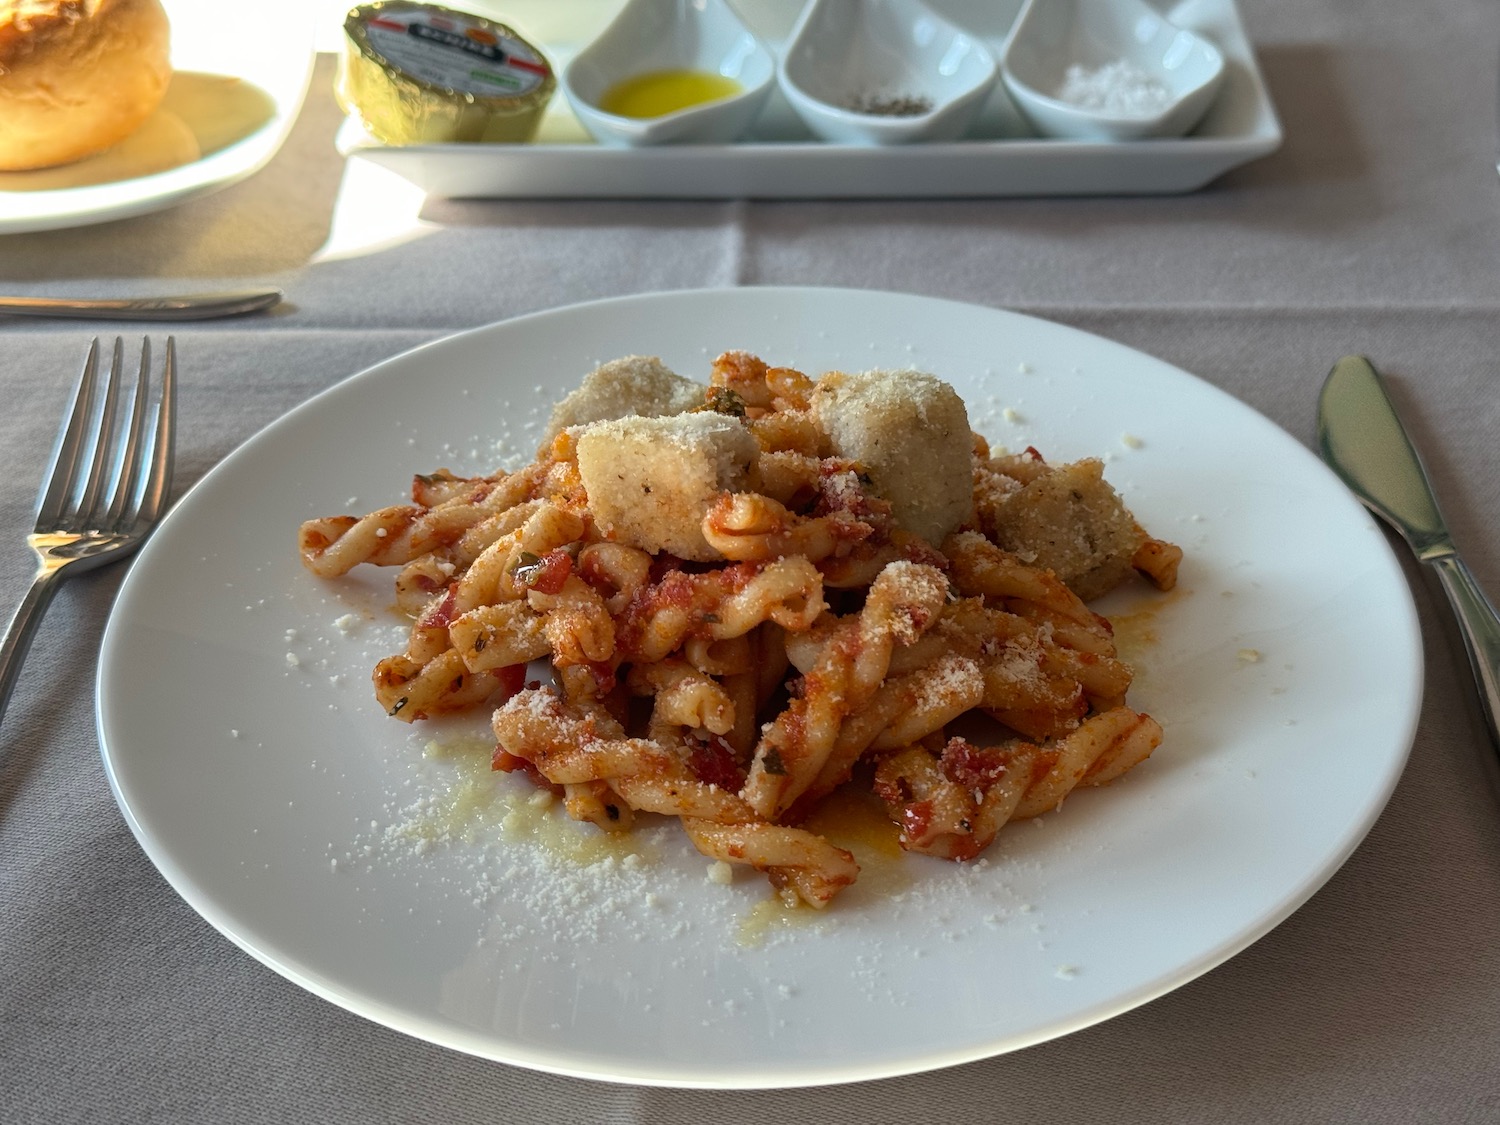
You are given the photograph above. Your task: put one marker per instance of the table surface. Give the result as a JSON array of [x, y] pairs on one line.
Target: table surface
[[1375, 229]]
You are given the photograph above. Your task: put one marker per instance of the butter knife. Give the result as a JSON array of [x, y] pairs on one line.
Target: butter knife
[[1361, 437], [191, 306]]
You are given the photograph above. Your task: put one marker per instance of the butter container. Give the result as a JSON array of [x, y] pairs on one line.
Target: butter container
[[421, 74]]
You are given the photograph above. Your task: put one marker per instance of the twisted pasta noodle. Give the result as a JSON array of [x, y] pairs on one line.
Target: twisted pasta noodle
[[933, 698], [618, 572], [1034, 682], [334, 545], [1096, 636], [804, 867], [1158, 561], [1029, 691], [941, 817], [496, 636], [568, 747], [794, 431], [594, 687], [952, 805], [740, 687], [594, 802], [793, 748], [684, 699], [790, 388], [788, 592], [473, 543], [428, 636], [419, 580], [492, 576], [771, 661], [398, 534], [748, 527], [574, 750], [745, 375], [760, 386], [1104, 679], [919, 703], [786, 476], [980, 567], [410, 689], [728, 656], [441, 485], [804, 649], [719, 605], [1126, 737], [857, 568], [576, 623]]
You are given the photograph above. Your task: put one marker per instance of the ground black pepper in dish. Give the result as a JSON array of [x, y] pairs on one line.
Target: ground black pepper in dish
[[889, 105]]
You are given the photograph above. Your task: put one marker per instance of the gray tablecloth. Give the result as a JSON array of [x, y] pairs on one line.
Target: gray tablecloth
[[1376, 228]]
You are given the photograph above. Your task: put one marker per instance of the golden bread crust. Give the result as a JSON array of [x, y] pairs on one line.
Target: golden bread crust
[[77, 76]]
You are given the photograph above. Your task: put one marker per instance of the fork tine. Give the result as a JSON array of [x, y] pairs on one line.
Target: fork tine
[[62, 473], [159, 478], [127, 479], [88, 507]]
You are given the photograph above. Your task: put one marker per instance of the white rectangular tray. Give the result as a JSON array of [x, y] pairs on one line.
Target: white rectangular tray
[[778, 159]]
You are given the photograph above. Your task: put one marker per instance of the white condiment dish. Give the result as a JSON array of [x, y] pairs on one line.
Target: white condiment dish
[[1052, 36], [848, 65], [672, 35]]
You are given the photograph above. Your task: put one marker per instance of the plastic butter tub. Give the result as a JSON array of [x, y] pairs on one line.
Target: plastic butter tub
[[418, 73]]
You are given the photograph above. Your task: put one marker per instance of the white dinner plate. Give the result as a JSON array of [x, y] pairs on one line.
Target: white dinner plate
[[250, 759], [241, 71]]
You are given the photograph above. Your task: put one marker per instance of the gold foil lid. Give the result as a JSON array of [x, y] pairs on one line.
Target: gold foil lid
[[421, 74]]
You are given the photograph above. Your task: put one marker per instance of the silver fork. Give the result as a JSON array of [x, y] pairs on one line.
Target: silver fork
[[106, 488]]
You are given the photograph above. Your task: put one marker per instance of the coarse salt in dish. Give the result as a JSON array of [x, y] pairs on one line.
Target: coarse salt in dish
[[1118, 88], [1108, 70]]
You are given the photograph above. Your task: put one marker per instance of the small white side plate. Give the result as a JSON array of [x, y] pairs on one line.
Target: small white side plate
[[267, 45], [661, 35], [1053, 36]]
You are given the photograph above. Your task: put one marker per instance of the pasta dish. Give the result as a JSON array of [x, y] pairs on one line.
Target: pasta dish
[[723, 602]]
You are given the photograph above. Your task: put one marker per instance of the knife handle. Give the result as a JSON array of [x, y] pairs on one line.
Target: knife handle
[[1480, 627], [193, 306]]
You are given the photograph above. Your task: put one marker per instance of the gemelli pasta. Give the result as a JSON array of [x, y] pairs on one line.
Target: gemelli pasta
[[722, 602]]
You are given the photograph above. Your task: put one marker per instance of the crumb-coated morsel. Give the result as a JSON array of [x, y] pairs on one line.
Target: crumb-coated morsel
[[1067, 519], [910, 431], [651, 480], [632, 385]]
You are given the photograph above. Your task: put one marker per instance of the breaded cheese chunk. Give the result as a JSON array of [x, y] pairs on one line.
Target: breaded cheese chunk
[[630, 385], [910, 431], [1068, 520], [651, 480]]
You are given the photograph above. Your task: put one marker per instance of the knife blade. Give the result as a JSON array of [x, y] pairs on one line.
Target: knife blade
[[1362, 439]]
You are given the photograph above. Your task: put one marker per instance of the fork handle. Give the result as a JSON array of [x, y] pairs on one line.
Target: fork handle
[[22, 629]]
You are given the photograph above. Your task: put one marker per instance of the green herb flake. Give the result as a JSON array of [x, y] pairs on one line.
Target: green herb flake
[[723, 400]]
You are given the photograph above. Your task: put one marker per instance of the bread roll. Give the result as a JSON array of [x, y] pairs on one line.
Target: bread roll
[[77, 76]]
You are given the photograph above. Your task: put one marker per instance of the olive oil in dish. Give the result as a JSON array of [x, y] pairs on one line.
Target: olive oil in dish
[[660, 92]]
